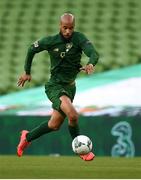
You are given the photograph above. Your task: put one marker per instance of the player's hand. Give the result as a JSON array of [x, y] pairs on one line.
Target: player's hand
[[23, 79], [89, 68]]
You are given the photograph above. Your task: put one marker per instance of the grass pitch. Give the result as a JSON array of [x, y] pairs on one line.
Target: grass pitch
[[68, 167]]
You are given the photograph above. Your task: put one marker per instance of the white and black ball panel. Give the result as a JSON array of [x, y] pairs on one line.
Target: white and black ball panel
[[82, 144]]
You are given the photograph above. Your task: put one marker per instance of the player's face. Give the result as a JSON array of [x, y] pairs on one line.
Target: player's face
[[66, 29]]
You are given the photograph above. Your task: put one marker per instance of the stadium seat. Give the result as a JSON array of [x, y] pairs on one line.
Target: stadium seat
[[113, 26]]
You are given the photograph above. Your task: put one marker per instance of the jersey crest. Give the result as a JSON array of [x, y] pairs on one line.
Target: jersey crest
[[69, 46]]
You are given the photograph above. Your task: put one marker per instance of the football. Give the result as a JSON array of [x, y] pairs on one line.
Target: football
[[82, 145]]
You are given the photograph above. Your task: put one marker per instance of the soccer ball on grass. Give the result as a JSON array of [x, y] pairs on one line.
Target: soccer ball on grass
[[82, 145]]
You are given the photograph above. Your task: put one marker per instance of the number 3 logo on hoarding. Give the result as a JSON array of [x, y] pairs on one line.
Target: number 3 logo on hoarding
[[124, 146]]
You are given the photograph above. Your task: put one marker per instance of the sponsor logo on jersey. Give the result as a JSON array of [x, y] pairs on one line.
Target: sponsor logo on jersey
[[56, 49], [62, 54]]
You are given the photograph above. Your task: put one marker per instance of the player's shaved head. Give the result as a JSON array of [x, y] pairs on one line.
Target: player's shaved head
[[67, 23], [67, 18]]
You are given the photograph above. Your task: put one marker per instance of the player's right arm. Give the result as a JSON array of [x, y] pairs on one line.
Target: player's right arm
[[23, 78], [36, 47]]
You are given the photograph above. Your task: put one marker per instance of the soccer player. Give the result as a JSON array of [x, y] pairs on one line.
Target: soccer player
[[65, 50]]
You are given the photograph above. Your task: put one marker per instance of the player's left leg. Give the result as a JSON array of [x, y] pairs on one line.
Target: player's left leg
[[88, 157], [68, 108], [71, 113]]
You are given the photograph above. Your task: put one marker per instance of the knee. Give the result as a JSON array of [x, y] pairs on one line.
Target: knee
[[54, 127], [73, 117]]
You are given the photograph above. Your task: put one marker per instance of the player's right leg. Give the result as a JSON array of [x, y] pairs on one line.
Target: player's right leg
[[26, 137], [23, 143]]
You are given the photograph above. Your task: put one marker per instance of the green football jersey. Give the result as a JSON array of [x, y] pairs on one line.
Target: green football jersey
[[65, 55]]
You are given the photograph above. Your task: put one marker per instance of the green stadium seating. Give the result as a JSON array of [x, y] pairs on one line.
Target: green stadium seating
[[113, 26]]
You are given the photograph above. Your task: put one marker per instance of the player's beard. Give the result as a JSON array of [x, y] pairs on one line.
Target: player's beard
[[66, 39]]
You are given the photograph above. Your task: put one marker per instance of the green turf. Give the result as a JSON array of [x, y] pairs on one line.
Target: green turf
[[47, 167]]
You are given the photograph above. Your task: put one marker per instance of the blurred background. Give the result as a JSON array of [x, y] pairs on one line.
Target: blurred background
[[109, 101]]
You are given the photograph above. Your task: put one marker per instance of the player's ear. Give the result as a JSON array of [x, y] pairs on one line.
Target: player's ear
[[60, 25]]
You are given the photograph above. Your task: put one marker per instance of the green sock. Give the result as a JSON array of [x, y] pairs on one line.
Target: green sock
[[38, 131], [74, 131]]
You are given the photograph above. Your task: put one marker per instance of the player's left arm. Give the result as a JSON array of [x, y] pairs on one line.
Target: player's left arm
[[93, 55]]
